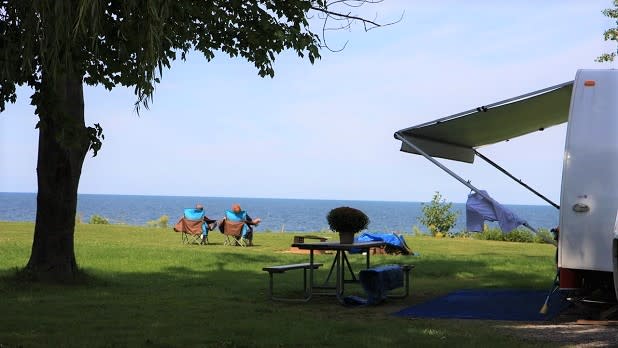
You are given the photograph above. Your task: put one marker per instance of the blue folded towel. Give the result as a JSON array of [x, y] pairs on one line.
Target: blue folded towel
[[377, 282]]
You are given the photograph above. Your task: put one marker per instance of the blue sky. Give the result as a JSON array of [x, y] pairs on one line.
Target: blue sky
[[325, 131]]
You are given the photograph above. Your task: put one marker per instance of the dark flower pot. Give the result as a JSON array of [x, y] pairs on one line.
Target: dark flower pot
[[346, 237]]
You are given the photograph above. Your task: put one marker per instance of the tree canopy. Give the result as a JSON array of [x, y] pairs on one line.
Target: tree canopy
[[129, 42], [610, 34]]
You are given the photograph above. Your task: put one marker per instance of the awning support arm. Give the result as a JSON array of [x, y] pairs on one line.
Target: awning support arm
[[495, 165], [451, 173]]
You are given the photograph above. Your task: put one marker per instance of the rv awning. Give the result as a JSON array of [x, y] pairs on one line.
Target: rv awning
[[455, 137]]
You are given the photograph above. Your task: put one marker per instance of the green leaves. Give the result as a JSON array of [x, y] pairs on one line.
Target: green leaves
[[610, 34], [438, 216], [95, 137], [130, 42]]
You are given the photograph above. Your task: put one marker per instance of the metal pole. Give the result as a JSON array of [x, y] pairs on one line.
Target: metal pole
[[495, 165], [451, 173]]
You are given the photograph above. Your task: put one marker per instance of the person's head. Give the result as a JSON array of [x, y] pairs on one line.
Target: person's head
[[199, 207], [236, 208]]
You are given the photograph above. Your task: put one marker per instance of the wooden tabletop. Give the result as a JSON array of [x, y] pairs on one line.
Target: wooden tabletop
[[338, 246]]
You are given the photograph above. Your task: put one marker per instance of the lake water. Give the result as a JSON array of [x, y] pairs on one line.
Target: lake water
[[277, 214]]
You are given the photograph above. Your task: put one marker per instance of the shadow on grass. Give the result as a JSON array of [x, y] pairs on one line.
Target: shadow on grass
[[23, 277], [242, 268], [484, 273], [180, 305]]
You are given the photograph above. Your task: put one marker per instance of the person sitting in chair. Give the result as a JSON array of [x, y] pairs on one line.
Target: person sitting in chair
[[237, 214], [208, 225]]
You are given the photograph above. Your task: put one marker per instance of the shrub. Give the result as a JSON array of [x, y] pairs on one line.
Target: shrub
[[161, 222], [543, 236], [460, 234], [490, 234], [520, 235], [346, 219], [98, 220], [437, 215], [416, 232]]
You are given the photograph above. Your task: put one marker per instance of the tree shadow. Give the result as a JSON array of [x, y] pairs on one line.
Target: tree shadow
[[232, 288]]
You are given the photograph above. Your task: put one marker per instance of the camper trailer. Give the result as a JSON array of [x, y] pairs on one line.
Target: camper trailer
[[588, 225]]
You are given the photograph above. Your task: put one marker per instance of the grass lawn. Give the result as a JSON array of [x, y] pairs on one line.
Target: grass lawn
[[146, 289]]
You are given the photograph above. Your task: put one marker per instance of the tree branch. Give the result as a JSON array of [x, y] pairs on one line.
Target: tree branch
[[342, 16], [348, 18]]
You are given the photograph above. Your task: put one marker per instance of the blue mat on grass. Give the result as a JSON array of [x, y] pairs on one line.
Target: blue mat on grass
[[501, 304]]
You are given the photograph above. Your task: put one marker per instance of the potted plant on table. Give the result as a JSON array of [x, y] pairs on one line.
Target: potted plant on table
[[347, 222]]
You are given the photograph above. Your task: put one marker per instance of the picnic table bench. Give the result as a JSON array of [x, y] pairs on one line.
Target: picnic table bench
[[284, 268], [406, 272]]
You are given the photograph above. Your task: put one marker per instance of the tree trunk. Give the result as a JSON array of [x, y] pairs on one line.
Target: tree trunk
[[63, 144]]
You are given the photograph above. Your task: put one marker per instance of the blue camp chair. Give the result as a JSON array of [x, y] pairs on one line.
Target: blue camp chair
[[236, 228], [194, 226]]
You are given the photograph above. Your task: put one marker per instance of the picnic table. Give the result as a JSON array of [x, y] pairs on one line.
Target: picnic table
[[340, 265]]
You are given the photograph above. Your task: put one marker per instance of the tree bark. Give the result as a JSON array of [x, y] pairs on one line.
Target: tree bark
[[63, 144]]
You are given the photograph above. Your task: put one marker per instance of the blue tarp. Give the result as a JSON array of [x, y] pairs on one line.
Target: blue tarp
[[392, 240]]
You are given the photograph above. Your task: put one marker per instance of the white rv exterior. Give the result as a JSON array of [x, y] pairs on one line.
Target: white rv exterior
[[588, 226], [589, 193]]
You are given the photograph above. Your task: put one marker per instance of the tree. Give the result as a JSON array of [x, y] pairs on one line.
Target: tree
[[610, 34], [57, 46], [437, 215]]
